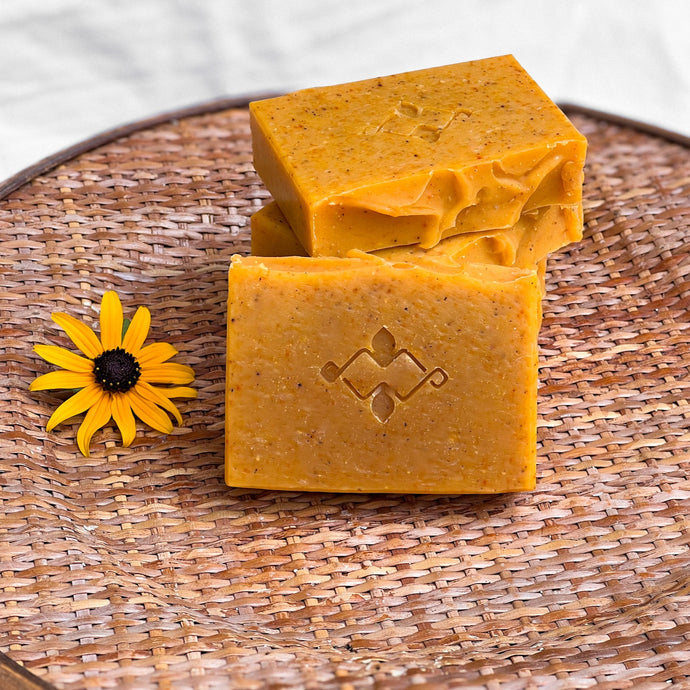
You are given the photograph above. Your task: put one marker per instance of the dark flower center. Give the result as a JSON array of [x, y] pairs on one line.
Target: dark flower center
[[116, 370]]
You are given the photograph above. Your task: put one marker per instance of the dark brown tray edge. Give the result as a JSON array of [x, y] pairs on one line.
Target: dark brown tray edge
[[19, 179], [662, 133], [24, 176], [13, 676]]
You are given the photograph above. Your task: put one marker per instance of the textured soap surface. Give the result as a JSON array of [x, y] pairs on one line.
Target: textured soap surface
[[458, 148], [365, 375], [525, 244]]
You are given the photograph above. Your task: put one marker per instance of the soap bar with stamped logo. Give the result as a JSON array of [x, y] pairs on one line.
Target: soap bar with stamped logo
[[365, 375], [416, 157]]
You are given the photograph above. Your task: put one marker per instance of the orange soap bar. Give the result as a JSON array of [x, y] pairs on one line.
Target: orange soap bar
[[358, 374], [416, 157]]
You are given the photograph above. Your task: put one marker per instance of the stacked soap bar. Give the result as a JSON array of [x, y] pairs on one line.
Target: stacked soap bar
[[384, 336], [416, 157]]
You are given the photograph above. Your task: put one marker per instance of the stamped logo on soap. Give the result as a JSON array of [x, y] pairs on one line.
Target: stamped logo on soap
[[410, 120], [384, 374]]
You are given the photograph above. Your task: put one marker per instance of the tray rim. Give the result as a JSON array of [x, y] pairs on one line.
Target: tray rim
[[44, 165], [61, 157], [17, 677], [41, 167]]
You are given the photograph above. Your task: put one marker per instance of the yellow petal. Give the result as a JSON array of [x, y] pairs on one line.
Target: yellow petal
[[149, 413], [137, 331], [96, 417], [75, 405], [157, 396], [61, 379], [170, 372], [122, 414], [111, 320], [80, 334], [155, 353], [178, 392], [63, 358]]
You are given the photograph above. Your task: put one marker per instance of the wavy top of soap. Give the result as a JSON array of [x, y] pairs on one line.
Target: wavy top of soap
[[483, 275], [349, 136]]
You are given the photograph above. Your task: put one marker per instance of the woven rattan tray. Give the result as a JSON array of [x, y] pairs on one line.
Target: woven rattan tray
[[138, 568]]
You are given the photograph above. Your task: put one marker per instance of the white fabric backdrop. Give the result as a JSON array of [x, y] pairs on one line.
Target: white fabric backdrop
[[72, 68]]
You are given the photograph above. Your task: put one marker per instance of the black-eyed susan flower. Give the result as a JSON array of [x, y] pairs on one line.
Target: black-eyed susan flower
[[116, 376]]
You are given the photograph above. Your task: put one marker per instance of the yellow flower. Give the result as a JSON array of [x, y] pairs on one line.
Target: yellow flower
[[116, 376]]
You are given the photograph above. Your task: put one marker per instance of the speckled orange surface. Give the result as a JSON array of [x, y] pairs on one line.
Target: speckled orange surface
[[367, 376]]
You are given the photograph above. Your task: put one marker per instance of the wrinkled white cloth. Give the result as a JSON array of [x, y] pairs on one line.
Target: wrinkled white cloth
[[73, 68]]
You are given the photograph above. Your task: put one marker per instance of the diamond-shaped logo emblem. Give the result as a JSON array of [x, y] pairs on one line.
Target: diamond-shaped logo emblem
[[410, 120], [383, 374]]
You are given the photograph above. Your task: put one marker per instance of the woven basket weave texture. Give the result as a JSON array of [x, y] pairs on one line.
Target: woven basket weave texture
[[138, 568]]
